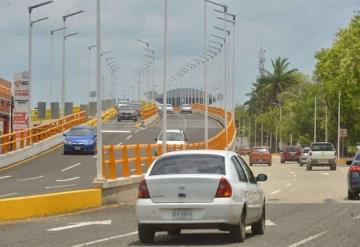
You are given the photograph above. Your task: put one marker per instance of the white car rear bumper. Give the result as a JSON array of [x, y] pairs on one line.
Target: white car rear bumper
[[221, 211]]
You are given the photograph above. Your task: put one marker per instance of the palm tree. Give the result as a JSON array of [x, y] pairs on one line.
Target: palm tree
[[279, 80]]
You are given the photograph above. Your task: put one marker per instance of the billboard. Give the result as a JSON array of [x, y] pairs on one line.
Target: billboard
[[21, 101]]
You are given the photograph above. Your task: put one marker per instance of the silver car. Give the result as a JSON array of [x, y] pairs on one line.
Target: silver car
[[200, 189], [304, 156]]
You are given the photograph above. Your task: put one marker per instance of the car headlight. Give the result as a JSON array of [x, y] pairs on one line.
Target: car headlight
[[67, 142]]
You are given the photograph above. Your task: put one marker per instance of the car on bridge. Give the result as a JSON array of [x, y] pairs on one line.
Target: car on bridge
[[200, 189], [127, 112], [186, 108], [353, 177], [80, 139], [173, 136], [169, 108], [260, 155]]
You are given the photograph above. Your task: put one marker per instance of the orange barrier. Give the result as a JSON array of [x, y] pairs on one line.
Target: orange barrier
[[27, 137], [148, 112], [138, 154]]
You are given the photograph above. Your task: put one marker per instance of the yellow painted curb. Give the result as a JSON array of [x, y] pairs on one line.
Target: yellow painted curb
[[48, 204]]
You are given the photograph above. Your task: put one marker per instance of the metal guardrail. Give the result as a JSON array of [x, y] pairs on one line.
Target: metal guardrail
[[124, 155], [27, 137]]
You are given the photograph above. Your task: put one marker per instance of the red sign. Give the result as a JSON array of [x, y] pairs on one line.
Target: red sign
[[20, 121], [343, 133]]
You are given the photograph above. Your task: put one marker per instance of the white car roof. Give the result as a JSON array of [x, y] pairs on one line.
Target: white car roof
[[173, 130], [223, 153]]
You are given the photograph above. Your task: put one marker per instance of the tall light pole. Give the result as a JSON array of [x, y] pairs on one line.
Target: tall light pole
[[315, 119], [62, 104], [31, 22], [51, 62], [99, 175], [164, 127], [63, 88], [89, 69]]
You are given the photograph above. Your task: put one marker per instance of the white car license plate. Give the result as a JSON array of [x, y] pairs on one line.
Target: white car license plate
[[77, 148], [182, 214]]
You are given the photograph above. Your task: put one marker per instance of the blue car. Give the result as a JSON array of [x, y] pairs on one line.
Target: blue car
[[80, 139]]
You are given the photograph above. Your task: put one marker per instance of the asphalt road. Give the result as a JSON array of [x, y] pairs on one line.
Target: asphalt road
[[304, 208], [55, 172]]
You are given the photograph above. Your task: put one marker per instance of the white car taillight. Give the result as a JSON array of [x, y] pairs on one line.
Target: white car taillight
[[224, 188], [143, 192]]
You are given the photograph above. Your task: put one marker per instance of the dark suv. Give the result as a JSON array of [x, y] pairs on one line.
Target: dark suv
[[354, 177], [290, 153]]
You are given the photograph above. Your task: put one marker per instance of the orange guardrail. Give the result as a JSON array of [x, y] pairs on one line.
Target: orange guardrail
[[106, 116], [148, 112], [27, 137], [138, 154]]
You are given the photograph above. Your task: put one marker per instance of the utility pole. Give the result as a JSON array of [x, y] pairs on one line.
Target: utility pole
[[315, 120], [338, 130]]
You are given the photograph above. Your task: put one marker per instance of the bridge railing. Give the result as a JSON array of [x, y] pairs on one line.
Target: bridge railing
[[20, 139], [148, 111], [118, 158]]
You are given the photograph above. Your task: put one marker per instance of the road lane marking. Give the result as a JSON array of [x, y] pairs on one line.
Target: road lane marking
[[59, 186], [80, 224], [27, 179], [106, 239], [127, 138], [306, 240], [357, 217], [94, 156], [68, 168], [3, 177], [67, 180], [119, 144], [288, 185], [116, 131], [274, 192], [136, 131], [11, 194], [269, 223], [325, 173]]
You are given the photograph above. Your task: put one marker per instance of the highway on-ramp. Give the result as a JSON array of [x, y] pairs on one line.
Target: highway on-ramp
[[54, 172]]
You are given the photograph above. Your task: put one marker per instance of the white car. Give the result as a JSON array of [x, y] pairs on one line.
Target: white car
[[321, 154], [186, 108], [169, 108], [200, 189], [173, 136]]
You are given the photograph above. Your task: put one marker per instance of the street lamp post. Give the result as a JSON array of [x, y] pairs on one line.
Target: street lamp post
[[338, 128], [62, 104], [315, 119], [31, 22], [89, 69], [51, 62], [164, 127]]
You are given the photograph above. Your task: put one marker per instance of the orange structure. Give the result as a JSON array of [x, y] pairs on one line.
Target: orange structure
[[5, 106]]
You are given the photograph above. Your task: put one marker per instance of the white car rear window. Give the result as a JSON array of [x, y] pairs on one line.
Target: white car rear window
[[189, 164]]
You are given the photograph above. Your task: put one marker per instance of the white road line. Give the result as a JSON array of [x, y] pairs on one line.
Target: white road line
[[68, 168], [59, 186], [269, 223], [116, 131], [80, 224], [132, 170], [357, 217], [274, 192], [288, 185], [3, 177], [119, 144], [325, 173], [106, 239], [127, 138], [27, 179], [136, 131], [94, 156], [67, 180], [11, 194], [306, 240]]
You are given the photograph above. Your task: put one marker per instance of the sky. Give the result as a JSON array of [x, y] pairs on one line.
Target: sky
[[293, 29]]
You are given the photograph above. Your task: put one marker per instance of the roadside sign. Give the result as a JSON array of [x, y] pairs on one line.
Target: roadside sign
[[343, 132]]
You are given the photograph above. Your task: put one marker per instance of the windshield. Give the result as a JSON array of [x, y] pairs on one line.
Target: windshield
[[127, 108], [291, 149], [189, 164], [322, 147], [81, 132], [173, 136]]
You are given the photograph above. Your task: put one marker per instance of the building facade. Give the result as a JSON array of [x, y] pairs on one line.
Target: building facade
[[5, 106]]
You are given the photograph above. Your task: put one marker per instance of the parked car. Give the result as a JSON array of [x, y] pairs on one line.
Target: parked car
[[80, 139], [127, 113], [200, 189], [290, 153], [173, 136], [321, 154], [185, 108], [353, 177], [244, 150], [260, 155], [303, 156]]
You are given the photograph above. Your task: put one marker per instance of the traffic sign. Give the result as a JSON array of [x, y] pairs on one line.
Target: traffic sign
[[343, 132]]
